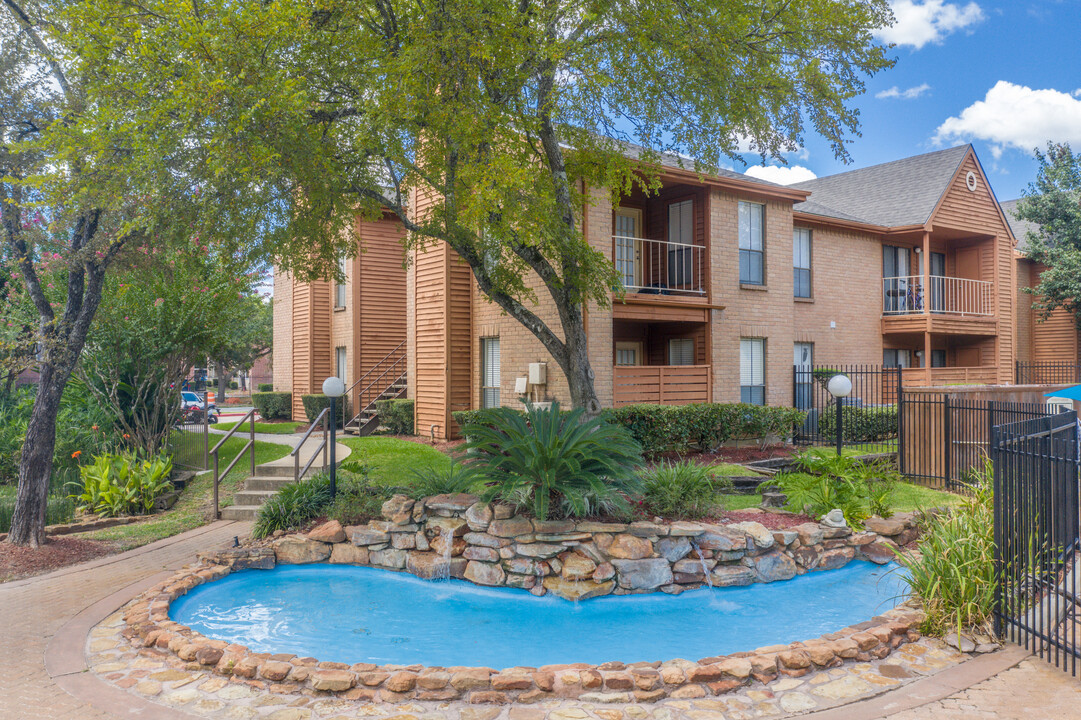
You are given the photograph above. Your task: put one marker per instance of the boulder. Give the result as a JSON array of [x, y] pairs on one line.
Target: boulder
[[429, 565], [479, 516], [731, 576], [399, 510], [682, 528], [807, 557], [553, 527], [454, 502], [333, 680], [577, 589], [523, 566], [364, 535], [329, 532], [441, 526], [762, 537], [630, 547], [833, 559], [589, 526], [880, 552], [809, 534], [440, 544], [577, 567], [693, 566], [774, 566], [539, 550], [483, 573], [484, 554], [642, 528], [720, 537], [298, 550], [483, 539], [389, 558], [673, 548], [348, 554], [643, 574], [604, 571], [884, 526], [511, 527]]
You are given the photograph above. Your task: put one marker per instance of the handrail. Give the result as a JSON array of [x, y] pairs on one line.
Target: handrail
[[396, 366], [250, 445], [295, 452], [374, 368]]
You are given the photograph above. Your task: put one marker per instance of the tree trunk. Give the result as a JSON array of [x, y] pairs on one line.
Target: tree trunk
[[574, 362], [36, 464], [222, 385]]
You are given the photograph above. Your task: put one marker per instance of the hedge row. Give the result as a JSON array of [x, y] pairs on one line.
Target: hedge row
[[868, 424], [396, 415], [314, 404], [273, 405], [266, 387]]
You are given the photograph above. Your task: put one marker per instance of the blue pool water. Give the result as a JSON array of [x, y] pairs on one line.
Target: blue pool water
[[358, 614]]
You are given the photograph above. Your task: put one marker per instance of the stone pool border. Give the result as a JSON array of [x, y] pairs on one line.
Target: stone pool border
[[147, 622]]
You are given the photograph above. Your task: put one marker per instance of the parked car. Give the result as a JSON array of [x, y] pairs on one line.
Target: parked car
[[191, 409]]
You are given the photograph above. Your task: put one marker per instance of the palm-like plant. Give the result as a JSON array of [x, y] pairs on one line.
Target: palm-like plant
[[554, 462]]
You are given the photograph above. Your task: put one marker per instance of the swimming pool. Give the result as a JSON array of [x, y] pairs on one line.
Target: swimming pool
[[360, 614]]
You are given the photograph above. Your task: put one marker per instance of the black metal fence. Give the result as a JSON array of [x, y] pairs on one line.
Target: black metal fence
[[189, 440], [1047, 373], [869, 413], [1037, 535]]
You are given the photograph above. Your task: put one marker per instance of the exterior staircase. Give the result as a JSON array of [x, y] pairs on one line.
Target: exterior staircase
[[258, 488], [385, 381]]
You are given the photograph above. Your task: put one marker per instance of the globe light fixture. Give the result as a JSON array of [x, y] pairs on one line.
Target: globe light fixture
[[333, 388], [839, 386]]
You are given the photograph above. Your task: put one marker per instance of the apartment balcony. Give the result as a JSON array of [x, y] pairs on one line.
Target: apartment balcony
[[940, 376], [661, 384], [661, 279], [953, 306]]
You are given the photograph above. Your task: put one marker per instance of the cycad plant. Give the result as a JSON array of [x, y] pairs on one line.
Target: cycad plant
[[554, 463]]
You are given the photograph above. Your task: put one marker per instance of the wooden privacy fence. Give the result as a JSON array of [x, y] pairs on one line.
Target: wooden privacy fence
[[661, 384]]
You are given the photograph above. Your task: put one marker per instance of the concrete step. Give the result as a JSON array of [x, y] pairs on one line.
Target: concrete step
[[253, 498], [267, 482], [237, 512]]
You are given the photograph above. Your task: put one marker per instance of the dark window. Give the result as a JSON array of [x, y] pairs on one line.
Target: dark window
[[751, 231], [801, 263]]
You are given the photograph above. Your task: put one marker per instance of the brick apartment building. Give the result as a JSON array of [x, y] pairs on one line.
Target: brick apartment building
[[728, 281]]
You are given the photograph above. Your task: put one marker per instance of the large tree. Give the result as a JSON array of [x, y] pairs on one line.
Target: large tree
[[499, 117], [1053, 203]]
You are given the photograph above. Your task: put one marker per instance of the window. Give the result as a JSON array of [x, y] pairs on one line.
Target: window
[[899, 296], [751, 224], [896, 358], [489, 372], [339, 288], [339, 364], [752, 371], [627, 353], [681, 231], [801, 262], [629, 246], [938, 358], [681, 351], [804, 362]]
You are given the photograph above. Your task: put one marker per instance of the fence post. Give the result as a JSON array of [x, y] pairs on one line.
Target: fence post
[[997, 530], [900, 423], [947, 437]]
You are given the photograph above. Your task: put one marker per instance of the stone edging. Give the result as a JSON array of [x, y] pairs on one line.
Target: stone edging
[[148, 623]]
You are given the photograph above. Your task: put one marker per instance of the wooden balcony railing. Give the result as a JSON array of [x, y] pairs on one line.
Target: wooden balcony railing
[[957, 296], [659, 267], [938, 376], [661, 384]]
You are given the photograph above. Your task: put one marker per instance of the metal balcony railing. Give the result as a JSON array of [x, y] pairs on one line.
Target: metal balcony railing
[[660, 267], [906, 295]]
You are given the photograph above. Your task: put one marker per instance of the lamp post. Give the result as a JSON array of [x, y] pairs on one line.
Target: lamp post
[[839, 387], [333, 388]]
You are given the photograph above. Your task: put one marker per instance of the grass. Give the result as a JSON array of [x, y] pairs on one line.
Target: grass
[[195, 505], [392, 460], [277, 428]]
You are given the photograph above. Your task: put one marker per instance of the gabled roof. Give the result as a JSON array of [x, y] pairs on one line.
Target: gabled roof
[[1019, 227], [894, 194]]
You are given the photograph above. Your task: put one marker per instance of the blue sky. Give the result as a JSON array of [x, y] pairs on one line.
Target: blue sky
[[1005, 76]]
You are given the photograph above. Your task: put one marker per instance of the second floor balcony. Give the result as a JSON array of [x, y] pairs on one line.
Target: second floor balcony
[[908, 295], [659, 267]]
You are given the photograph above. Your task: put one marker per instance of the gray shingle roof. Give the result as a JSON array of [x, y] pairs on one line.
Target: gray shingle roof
[[1019, 227], [893, 194], [671, 160]]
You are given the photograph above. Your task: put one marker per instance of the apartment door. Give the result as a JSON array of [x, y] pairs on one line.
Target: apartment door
[[804, 363], [895, 274], [629, 246], [938, 282]]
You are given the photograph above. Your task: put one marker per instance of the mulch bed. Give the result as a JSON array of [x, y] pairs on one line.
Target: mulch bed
[[737, 455], [771, 521], [22, 562]]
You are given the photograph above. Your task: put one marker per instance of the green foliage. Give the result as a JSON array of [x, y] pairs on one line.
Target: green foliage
[[233, 385], [315, 404], [396, 415], [295, 504], [273, 405], [826, 481], [682, 489], [457, 477], [554, 463], [953, 572], [265, 387], [866, 424], [393, 461], [59, 507], [705, 426], [124, 483]]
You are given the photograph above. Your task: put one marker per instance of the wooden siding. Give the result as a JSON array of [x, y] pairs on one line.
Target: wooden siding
[[313, 359], [661, 384], [379, 294], [1056, 338]]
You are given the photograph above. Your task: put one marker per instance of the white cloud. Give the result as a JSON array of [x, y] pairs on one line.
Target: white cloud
[[780, 175], [910, 94], [1017, 116], [918, 23]]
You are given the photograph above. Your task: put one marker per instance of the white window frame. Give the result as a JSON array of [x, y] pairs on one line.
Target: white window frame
[[635, 350], [490, 372], [802, 278], [340, 295], [628, 248], [341, 364], [681, 351], [752, 242], [752, 370]]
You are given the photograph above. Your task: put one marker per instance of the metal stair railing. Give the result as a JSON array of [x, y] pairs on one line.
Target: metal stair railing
[[324, 418], [385, 374]]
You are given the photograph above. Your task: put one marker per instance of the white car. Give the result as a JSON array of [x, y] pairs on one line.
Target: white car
[[191, 405]]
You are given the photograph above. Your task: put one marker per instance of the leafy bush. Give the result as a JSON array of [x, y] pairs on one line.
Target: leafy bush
[[953, 573], [457, 477], [704, 426], [396, 415], [59, 507], [866, 424], [682, 489], [359, 500], [234, 385], [551, 462], [265, 387], [487, 416], [315, 404], [826, 481], [295, 504], [273, 405], [123, 484]]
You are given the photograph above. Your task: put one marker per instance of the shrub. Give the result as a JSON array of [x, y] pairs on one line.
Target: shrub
[[359, 500], [867, 424], [123, 484], [396, 415], [682, 489], [487, 416], [294, 505], [953, 573], [457, 477], [265, 387], [826, 481], [59, 508], [315, 404], [273, 405], [554, 463], [234, 385]]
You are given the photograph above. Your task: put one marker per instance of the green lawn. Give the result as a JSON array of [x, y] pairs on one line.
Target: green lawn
[[393, 461], [276, 428], [195, 505]]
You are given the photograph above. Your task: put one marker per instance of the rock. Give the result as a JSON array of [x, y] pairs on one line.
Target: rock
[[673, 548], [962, 642], [442, 526], [539, 550], [720, 537], [834, 519], [348, 554], [553, 527], [455, 502], [588, 526], [739, 668], [797, 702], [399, 509], [389, 558], [511, 681], [604, 571], [484, 554], [833, 559], [484, 573], [479, 516], [884, 526], [762, 537], [835, 533], [682, 528], [429, 565], [298, 550], [332, 680], [577, 589], [731, 576], [694, 566], [511, 527], [363, 535], [647, 529], [809, 534], [275, 670], [643, 574], [630, 547], [401, 682], [457, 545], [577, 567], [329, 532], [471, 679], [785, 537], [523, 566], [404, 541], [807, 557], [774, 566], [525, 582], [483, 539]]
